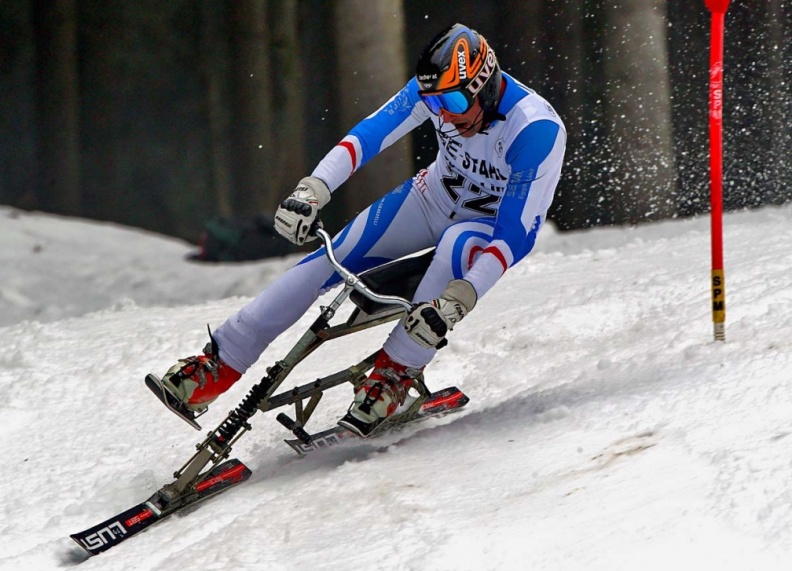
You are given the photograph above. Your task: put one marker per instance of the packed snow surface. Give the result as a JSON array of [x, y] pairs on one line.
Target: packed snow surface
[[606, 429]]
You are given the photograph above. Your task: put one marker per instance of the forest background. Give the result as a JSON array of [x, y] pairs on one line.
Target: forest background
[[162, 115]]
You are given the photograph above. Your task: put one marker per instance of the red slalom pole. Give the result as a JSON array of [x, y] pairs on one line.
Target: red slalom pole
[[718, 281]]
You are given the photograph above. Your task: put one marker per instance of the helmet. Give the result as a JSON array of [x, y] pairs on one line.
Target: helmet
[[456, 67]]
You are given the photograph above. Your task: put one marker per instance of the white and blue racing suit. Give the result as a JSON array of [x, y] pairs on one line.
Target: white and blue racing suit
[[481, 203]]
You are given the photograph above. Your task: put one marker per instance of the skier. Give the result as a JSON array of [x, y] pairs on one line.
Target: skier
[[481, 203]]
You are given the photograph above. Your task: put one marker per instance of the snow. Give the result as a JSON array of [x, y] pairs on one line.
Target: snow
[[606, 429]]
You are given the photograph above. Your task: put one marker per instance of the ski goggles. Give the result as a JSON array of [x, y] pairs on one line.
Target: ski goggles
[[456, 102]]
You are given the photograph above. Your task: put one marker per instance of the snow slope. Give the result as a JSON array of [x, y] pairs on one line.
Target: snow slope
[[52, 268], [606, 430]]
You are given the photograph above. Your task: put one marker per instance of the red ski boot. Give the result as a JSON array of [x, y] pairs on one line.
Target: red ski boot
[[197, 381], [379, 396]]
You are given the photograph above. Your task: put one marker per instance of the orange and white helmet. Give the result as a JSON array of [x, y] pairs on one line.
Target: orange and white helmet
[[455, 68]]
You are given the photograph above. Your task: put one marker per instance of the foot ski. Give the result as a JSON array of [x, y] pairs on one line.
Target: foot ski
[[177, 407], [159, 506], [446, 400]]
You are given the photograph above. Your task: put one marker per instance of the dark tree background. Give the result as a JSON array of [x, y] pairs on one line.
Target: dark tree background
[[162, 115]]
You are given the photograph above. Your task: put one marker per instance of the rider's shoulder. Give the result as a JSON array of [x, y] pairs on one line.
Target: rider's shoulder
[[522, 105]]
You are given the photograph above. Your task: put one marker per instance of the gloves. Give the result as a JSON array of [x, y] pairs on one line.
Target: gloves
[[296, 214], [428, 323]]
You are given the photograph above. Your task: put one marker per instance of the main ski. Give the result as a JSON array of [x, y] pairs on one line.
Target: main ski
[[447, 400], [117, 529]]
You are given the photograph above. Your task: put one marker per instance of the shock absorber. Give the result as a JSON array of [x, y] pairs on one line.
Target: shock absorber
[[247, 408]]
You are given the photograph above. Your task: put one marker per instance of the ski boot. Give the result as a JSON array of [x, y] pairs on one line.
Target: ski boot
[[379, 396], [193, 383]]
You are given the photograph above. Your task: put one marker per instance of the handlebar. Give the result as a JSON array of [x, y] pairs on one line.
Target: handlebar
[[353, 281]]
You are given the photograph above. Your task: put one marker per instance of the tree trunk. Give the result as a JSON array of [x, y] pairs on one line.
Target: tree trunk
[[569, 76], [688, 58], [638, 100], [317, 54], [784, 23], [58, 154], [521, 41], [287, 97], [101, 110], [750, 103], [217, 113], [778, 106], [371, 68], [251, 97]]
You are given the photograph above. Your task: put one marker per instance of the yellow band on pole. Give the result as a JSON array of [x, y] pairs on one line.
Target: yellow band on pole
[[719, 304]]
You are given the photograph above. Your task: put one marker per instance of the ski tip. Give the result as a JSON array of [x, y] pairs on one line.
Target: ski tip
[[78, 555], [113, 531], [448, 399]]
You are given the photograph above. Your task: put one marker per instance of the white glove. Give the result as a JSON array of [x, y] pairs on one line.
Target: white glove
[[296, 214], [428, 323]]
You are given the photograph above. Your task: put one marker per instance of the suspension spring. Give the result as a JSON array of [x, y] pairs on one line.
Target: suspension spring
[[247, 408]]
